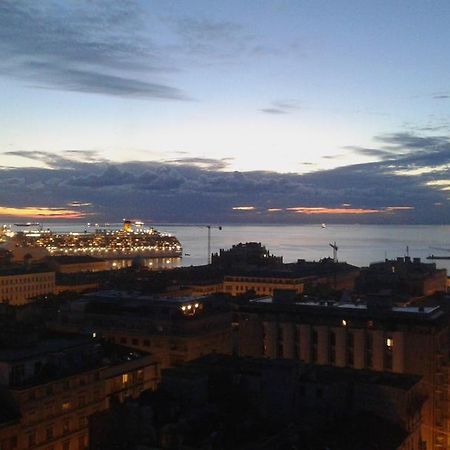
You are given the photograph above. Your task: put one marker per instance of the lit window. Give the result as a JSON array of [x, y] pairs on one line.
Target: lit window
[[344, 323], [389, 343], [125, 378], [66, 406]]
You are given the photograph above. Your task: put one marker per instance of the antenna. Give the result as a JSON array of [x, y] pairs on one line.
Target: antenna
[[209, 240], [335, 250]]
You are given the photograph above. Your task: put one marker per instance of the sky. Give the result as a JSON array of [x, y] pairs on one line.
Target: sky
[[281, 111]]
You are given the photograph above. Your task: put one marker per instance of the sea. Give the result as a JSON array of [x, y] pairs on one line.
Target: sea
[[359, 245]]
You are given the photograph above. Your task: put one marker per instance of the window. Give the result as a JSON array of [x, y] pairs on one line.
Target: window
[[82, 442], [135, 342], [66, 445], [13, 442], [82, 421], [146, 343], [81, 400], [31, 438], [17, 374], [66, 426], [125, 378], [49, 433], [65, 406]]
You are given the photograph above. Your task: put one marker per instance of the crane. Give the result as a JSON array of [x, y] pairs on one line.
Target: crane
[[335, 250], [209, 240]]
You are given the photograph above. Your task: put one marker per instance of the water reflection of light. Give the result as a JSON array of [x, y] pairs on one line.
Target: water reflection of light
[[150, 263]]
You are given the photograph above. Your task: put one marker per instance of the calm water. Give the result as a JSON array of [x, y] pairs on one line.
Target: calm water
[[358, 244]]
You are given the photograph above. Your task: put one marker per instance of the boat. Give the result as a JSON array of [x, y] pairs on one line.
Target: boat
[[438, 257], [132, 240]]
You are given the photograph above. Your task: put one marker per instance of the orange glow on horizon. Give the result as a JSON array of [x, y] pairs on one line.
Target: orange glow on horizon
[[243, 208], [399, 208], [323, 210], [36, 212]]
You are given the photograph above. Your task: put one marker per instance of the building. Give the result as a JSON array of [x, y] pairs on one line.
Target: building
[[293, 276], [204, 288], [262, 283], [20, 284], [80, 263], [403, 276], [221, 401], [378, 337], [51, 387], [174, 330], [250, 254]]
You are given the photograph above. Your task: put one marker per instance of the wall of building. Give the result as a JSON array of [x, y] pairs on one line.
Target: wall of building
[[20, 288]]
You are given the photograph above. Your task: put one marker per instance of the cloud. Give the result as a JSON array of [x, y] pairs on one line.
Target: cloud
[[40, 212], [82, 46], [207, 41], [204, 163], [200, 190], [66, 159], [93, 82], [282, 107], [441, 96], [273, 111], [372, 152]]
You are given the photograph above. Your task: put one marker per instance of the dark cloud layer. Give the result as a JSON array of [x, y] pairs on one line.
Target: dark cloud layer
[[198, 190], [82, 46]]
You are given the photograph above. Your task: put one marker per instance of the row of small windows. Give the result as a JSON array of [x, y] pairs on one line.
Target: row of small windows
[[81, 442], [331, 347], [24, 280], [132, 341], [27, 288], [264, 280]]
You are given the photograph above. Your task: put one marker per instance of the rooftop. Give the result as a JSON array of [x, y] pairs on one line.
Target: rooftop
[[21, 269], [349, 310], [67, 259], [307, 372], [64, 356]]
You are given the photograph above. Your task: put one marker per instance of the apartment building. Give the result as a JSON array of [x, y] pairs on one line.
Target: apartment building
[[173, 329], [378, 337], [50, 389], [20, 284]]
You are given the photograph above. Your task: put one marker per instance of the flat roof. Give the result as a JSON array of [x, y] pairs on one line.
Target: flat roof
[[344, 310], [60, 365]]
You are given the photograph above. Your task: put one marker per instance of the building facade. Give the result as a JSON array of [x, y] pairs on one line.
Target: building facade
[[55, 385], [401, 340], [19, 286], [174, 330]]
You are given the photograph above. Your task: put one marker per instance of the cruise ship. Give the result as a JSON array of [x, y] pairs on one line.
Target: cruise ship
[[132, 240]]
